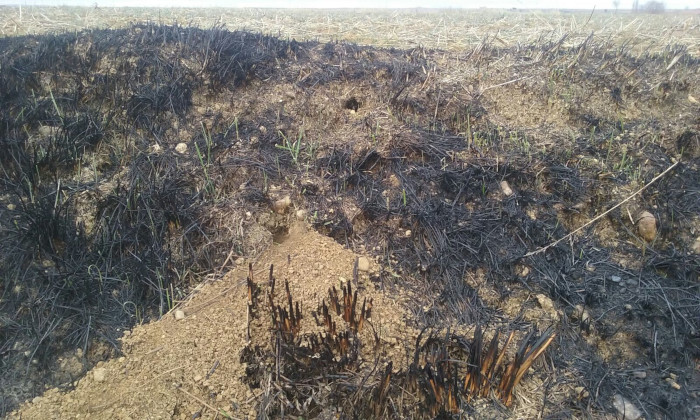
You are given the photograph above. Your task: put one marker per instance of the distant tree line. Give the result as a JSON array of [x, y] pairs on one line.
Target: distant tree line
[[651, 6]]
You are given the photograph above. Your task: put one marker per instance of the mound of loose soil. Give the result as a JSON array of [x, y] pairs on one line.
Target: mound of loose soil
[[178, 368]]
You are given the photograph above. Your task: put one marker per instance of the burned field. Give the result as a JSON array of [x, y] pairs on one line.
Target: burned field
[[138, 163]]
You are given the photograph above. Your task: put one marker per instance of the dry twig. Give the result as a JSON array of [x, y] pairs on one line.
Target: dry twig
[[600, 216]]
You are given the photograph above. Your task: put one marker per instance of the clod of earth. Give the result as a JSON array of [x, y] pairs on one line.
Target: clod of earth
[[99, 374], [280, 206], [646, 226]]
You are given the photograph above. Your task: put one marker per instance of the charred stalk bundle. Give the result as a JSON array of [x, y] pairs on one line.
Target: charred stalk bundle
[[437, 376]]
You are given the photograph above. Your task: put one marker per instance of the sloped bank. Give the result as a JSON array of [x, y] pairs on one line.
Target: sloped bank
[[138, 162]]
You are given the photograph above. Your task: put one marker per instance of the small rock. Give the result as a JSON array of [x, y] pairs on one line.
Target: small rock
[[646, 226], [181, 148], [626, 409], [408, 233], [639, 374], [696, 245], [280, 206], [179, 314], [616, 279], [628, 307], [99, 374], [507, 191], [673, 384], [363, 264], [11, 207], [301, 214]]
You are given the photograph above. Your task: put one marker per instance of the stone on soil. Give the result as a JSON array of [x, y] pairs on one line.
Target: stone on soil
[[363, 264], [507, 191], [646, 226], [626, 409]]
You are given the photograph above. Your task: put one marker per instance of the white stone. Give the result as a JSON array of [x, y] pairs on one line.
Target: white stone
[[507, 191], [363, 264], [181, 148], [626, 409], [179, 315]]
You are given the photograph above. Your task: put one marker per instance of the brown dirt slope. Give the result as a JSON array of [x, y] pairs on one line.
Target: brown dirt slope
[[176, 368]]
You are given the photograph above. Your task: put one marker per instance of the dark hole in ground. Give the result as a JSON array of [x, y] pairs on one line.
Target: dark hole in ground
[[352, 104]]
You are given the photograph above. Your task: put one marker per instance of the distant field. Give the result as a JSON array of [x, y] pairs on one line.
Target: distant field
[[443, 29]]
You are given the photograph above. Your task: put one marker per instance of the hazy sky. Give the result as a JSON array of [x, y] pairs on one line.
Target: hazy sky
[[533, 4]]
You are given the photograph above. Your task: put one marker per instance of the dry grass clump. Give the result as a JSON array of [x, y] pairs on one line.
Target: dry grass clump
[[446, 375]]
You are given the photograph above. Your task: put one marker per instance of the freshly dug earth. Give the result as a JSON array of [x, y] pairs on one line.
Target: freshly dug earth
[[169, 367], [194, 362], [140, 163]]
